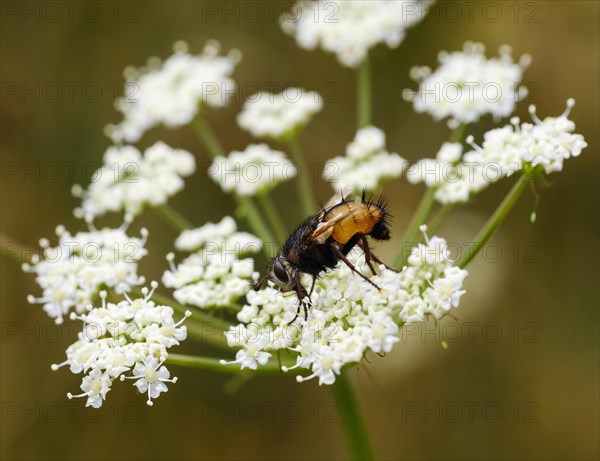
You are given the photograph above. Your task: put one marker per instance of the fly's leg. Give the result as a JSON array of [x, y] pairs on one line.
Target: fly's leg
[[312, 287], [364, 245], [305, 306], [369, 255], [351, 266], [358, 238], [302, 295]]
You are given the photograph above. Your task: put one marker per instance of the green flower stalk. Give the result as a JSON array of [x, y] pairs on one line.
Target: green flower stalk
[[500, 214], [364, 93], [305, 189]]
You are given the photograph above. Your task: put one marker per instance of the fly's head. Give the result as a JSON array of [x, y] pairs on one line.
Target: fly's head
[[281, 272]]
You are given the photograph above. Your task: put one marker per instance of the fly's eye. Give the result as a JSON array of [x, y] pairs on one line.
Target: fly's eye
[[280, 271]]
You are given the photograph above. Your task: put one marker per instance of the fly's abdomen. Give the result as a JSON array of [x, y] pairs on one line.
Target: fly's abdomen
[[360, 217]]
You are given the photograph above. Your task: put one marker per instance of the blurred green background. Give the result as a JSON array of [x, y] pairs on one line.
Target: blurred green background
[[520, 378]]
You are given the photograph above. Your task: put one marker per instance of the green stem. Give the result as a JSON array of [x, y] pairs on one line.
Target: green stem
[[351, 417], [364, 93], [499, 215], [208, 137], [305, 191], [247, 209], [202, 333], [245, 204], [212, 364], [268, 208], [196, 313], [412, 231], [458, 135], [440, 218], [172, 216]]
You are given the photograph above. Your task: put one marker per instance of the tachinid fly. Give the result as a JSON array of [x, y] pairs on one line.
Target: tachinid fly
[[324, 239]]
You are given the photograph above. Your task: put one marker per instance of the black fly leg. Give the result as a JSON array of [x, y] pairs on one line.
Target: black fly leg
[[364, 245], [302, 295], [369, 255], [303, 304], [359, 238], [297, 312], [312, 286], [351, 266]]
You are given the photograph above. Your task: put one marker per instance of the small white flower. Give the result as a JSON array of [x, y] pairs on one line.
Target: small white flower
[[171, 93], [279, 116], [467, 85], [350, 28], [366, 164], [128, 181], [95, 386], [414, 310], [252, 342], [325, 365], [368, 141], [72, 272], [256, 170], [382, 332], [151, 377], [450, 152], [446, 291], [250, 357]]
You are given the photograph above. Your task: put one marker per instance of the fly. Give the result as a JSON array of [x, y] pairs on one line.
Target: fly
[[324, 239]]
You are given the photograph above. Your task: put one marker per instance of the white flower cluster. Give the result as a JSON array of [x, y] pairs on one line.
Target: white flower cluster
[[348, 316], [467, 85], [254, 171], [433, 171], [72, 272], [547, 143], [279, 116], [214, 275], [171, 93], [131, 336], [450, 177], [350, 28], [366, 163], [127, 180], [513, 148], [432, 282]]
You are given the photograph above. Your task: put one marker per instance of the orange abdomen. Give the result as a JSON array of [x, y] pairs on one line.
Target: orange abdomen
[[362, 217]]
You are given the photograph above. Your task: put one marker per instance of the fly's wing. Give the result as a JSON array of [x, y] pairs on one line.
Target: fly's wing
[[338, 198], [300, 238], [325, 228]]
